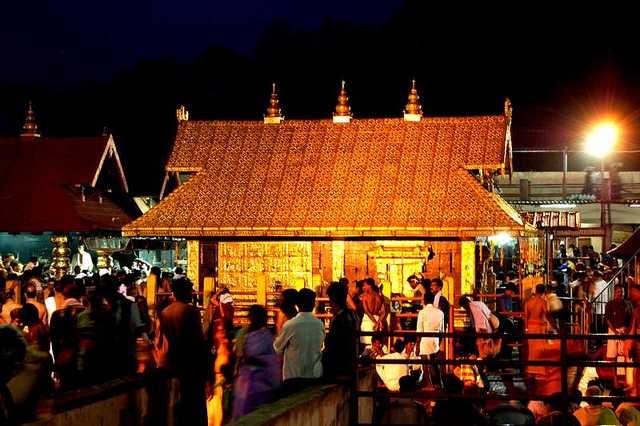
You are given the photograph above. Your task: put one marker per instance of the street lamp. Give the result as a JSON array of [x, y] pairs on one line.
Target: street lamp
[[599, 143], [601, 139]]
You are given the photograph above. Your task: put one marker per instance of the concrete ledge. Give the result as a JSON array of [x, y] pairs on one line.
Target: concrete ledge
[[320, 405], [137, 400], [91, 394], [316, 406]]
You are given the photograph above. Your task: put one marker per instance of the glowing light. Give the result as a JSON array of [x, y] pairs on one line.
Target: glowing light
[[500, 238], [558, 206], [634, 206], [601, 140]]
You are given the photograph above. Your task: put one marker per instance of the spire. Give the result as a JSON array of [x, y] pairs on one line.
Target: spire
[[508, 109], [182, 113], [343, 110], [413, 109], [30, 126], [274, 113]]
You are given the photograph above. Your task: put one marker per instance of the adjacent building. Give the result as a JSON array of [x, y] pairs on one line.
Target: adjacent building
[[63, 189]]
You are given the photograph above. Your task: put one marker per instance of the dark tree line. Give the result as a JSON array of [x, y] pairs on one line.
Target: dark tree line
[[466, 59]]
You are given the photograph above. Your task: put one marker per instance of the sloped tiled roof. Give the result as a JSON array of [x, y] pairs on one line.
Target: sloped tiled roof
[[473, 142], [38, 179], [314, 178]]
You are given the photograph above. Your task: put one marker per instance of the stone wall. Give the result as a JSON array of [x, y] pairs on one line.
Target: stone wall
[[149, 401], [323, 405]]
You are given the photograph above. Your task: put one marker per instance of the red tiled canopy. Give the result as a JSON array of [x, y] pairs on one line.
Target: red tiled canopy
[[39, 186]]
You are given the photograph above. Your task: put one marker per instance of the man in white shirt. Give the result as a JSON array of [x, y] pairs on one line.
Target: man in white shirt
[[82, 259], [479, 314], [600, 303], [430, 319], [410, 353], [390, 373], [300, 345]]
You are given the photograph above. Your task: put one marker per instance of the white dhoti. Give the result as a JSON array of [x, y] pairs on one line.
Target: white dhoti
[[615, 351], [368, 325]]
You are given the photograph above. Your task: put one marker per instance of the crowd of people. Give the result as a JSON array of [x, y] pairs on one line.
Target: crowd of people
[[549, 309], [83, 329], [68, 333]]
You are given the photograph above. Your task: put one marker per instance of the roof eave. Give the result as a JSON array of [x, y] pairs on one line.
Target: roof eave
[[324, 232]]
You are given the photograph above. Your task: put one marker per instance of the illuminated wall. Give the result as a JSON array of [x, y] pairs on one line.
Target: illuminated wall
[[253, 268]]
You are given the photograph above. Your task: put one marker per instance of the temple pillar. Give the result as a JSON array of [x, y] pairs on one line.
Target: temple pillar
[[337, 260], [208, 252], [193, 264], [467, 268]]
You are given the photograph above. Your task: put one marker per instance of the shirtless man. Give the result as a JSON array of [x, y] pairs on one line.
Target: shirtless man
[[537, 316], [538, 320], [374, 310], [354, 291]]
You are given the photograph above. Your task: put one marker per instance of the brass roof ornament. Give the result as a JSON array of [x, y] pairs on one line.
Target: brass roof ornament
[[30, 126], [182, 113], [342, 113], [508, 109], [413, 109], [274, 113]]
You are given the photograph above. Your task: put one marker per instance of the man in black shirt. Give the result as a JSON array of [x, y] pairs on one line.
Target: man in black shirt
[[440, 301], [339, 359]]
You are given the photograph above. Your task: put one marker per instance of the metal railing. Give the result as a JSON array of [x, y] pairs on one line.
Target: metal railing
[[565, 360], [600, 300]]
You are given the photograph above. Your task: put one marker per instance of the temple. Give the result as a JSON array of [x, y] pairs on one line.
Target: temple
[[300, 203]]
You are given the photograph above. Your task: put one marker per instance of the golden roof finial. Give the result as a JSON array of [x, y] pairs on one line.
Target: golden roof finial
[[508, 108], [182, 113], [413, 109], [342, 113], [274, 113], [30, 126]]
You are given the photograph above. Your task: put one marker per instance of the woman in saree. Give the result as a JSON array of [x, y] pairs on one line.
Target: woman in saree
[[258, 367]]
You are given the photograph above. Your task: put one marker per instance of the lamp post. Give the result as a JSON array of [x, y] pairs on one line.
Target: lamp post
[[599, 143]]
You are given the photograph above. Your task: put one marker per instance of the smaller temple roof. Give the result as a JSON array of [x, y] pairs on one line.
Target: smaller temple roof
[[49, 184], [470, 142]]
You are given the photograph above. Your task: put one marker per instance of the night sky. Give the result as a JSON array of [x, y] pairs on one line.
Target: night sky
[[127, 64]]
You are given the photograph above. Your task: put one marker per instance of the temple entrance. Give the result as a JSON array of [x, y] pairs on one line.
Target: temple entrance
[[395, 261]]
